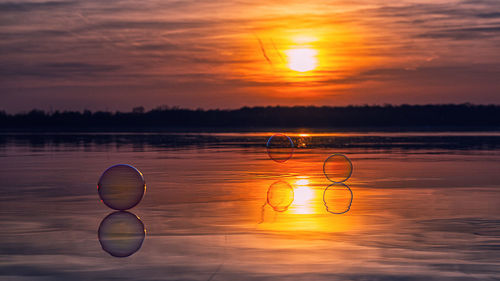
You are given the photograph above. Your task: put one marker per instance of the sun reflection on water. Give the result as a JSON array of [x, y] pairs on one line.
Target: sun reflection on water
[[308, 212], [304, 197]]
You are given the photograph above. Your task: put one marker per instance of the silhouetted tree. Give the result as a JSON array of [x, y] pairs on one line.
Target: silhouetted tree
[[460, 117]]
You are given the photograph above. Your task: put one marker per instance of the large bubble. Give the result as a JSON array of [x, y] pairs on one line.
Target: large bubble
[[280, 196], [121, 234], [337, 198], [121, 187], [337, 168], [280, 148]]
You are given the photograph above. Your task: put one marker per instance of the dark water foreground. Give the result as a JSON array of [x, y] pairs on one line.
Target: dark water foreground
[[425, 206]]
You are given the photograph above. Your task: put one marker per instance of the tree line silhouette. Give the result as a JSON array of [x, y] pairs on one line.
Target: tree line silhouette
[[458, 116]]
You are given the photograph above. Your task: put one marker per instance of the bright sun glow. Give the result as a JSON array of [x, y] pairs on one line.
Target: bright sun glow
[[302, 60]]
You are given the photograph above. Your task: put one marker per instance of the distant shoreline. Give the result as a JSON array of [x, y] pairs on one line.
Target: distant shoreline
[[403, 118], [160, 130]]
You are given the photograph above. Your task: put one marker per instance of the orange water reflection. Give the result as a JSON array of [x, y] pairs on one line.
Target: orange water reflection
[[308, 211]]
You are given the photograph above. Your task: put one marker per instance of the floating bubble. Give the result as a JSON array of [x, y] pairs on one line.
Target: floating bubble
[[280, 196], [121, 187], [121, 234], [337, 168], [337, 198], [280, 148]]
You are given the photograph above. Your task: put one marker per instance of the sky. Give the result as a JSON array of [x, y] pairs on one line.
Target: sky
[[116, 55]]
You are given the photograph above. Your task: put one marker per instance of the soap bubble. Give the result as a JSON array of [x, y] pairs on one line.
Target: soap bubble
[[280, 196], [280, 148], [337, 198], [121, 234], [337, 168], [121, 187]]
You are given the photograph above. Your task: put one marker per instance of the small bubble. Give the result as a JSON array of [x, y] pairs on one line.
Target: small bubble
[[121, 187], [337, 168], [121, 234], [337, 198], [280, 148], [280, 196]]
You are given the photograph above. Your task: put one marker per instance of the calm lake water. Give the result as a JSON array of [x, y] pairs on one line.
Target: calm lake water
[[425, 206]]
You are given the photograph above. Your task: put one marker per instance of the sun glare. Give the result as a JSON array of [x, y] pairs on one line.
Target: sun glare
[[302, 60]]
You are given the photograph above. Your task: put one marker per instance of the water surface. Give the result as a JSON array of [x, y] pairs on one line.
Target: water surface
[[425, 206]]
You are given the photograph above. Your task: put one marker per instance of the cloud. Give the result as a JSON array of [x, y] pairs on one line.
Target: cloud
[[494, 15], [57, 70], [33, 6], [32, 34], [145, 25], [464, 33]]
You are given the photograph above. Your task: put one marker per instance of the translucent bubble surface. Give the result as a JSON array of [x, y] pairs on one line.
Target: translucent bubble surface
[[338, 198], [280, 148], [121, 234], [280, 196], [337, 168], [121, 187]]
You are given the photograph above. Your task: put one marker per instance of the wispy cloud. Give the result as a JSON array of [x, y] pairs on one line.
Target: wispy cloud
[[19, 6]]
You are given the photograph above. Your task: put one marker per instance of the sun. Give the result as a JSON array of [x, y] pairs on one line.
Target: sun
[[302, 59]]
